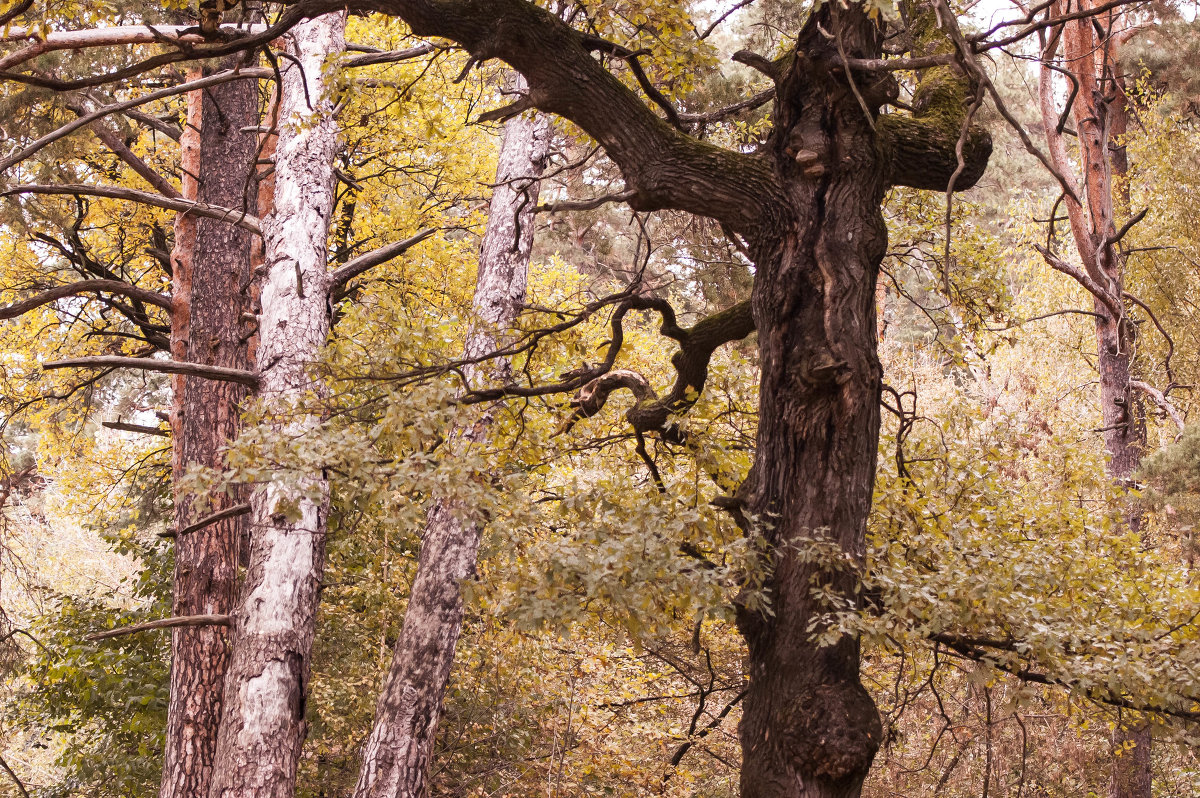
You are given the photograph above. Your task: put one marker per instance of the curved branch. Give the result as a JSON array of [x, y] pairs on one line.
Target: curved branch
[[239, 218], [84, 287], [665, 167], [696, 347], [1164, 404]]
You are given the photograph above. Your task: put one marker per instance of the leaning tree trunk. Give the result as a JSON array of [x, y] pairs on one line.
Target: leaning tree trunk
[[398, 753], [263, 727], [212, 283], [1089, 54]]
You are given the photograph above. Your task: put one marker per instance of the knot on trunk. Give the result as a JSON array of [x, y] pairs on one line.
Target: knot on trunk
[[831, 731]]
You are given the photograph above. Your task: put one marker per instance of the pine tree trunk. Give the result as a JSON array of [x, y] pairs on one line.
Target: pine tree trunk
[[212, 278], [263, 726], [397, 755], [1100, 115]]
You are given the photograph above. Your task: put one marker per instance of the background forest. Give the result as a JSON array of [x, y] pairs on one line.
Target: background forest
[[1028, 613]]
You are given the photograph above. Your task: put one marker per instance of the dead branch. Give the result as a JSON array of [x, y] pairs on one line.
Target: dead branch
[[85, 287], [165, 623], [239, 218], [165, 366]]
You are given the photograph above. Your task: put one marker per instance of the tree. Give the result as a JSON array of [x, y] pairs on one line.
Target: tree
[[262, 721], [1098, 104], [397, 755], [212, 286], [808, 209]]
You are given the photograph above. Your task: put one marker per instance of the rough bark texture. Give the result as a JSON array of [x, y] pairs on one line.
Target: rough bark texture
[[808, 727], [263, 726], [809, 208], [217, 277], [1099, 112], [397, 755]]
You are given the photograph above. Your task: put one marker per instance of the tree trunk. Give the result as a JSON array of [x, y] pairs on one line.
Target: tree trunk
[[1099, 110], [212, 275], [263, 726], [809, 728], [398, 753]]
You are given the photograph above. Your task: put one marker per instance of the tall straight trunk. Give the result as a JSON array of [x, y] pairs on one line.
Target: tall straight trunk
[[212, 286], [263, 725], [397, 755], [1089, 52]]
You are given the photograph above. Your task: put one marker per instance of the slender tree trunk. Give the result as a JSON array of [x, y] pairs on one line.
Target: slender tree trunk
[[809, 729], [212, 275], [398, 753], [1099, 112], [263, 726]]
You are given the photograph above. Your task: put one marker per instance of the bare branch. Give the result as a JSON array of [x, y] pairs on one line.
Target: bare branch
[[1094, 288], [584, 205], [235, 511], [236, 217], [1164, 404], [171, 91], [716, 115], [362, 263], [121, 426], [113, 141], [165, 623], [165, 366], [110, 37], [391, 56], [84, 287], [20, 786]]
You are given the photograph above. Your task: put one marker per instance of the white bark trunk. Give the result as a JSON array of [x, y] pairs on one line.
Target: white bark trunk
[[397, 756], [263, 727]]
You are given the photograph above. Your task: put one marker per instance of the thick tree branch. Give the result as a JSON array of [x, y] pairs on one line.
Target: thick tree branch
[[113, 141], [391, 56], [110, 37], [122, 426], [84, 287], [696, 347], [936, 148], [183, 51], [235, 511], [165, 366], [376, 257], [239, 218], [666, 168]]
